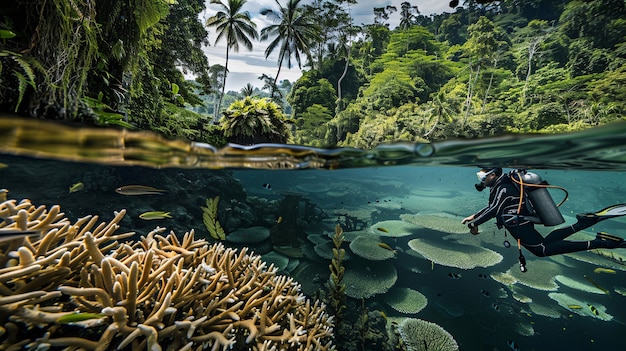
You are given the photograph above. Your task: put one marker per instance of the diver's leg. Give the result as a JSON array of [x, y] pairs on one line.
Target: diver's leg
[[529, 237], [561, 247], [602, 241], [562, 233]]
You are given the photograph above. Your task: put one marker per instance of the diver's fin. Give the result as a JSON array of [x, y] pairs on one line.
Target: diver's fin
[[608, 237], [606, 213], [608, 241]]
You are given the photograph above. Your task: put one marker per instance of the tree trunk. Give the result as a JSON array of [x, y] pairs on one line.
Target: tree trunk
[[273, 87], [339, 105], [219, 104]]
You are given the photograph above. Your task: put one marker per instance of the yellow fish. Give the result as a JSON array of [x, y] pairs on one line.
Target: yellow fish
[[77, 187], [603, 270], [597, 285], [139, 190], [3, 165], [575, 307], [386, 247], [280, 219], [148, 216], [382, 229]]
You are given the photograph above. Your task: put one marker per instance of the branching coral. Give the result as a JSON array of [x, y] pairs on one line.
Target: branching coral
[[160, 291]]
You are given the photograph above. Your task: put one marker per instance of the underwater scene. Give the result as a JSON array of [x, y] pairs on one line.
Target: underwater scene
[[127, 241]]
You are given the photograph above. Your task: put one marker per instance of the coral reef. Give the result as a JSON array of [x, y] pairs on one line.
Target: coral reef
[[405, 300], [453, 254], [82, 286], [421, 335], [364, 279]]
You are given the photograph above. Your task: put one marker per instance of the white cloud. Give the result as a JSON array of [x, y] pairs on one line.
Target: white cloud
[[246, 66]]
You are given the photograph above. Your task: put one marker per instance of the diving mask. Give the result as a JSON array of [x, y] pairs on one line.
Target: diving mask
[[482, 174]]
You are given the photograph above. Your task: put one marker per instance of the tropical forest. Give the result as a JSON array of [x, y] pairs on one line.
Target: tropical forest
[[482, 68]]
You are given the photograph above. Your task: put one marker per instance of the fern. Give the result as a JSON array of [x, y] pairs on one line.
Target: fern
[[24, 73], [150, 12]]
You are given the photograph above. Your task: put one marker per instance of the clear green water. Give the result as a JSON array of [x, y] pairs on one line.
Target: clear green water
[[370, 186]]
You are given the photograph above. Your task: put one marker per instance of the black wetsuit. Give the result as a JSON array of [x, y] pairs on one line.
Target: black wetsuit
[[504, 200]]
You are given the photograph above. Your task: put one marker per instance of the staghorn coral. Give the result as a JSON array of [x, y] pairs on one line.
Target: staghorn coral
[[160, 292]]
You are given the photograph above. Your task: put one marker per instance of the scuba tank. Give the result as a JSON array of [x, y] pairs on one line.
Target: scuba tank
[[539, 197]]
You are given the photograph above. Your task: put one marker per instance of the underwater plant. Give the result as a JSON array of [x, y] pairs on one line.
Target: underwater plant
[[336, 285], [209, 217]]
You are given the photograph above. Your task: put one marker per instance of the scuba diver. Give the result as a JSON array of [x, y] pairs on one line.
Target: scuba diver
[[520, 199]]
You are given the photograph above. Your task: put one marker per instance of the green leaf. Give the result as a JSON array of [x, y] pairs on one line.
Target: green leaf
[[6, 34]]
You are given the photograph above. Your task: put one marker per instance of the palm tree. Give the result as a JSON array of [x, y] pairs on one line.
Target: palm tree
[[236, 26], [248, 90], [408, 14], [294, 31]]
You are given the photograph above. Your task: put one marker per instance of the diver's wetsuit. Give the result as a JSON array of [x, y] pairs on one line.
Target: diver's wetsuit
[[504, 200]]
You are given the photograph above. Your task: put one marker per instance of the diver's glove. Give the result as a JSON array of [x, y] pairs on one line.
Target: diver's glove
[[473, 228]]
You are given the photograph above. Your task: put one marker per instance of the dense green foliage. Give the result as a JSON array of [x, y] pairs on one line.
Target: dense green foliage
[[105, 62], [486, 68], [255, 120], [483, 70]]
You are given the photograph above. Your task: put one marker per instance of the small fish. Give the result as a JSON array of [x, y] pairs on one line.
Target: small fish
[[575, 307], [139, 190], [382, 229], [78, 317], [593, 310], [148, 216], [454, 275], [386, 247], [596, 285], [267, 186], [432, 265], [77, 187], [495, 307], [9, 234], [3, 165], [279, 219], [603, 270], [383, 314], [482, 276], [485, 293], [512, 345]]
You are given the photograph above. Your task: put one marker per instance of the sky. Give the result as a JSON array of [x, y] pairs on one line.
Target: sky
[[246, 66]]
